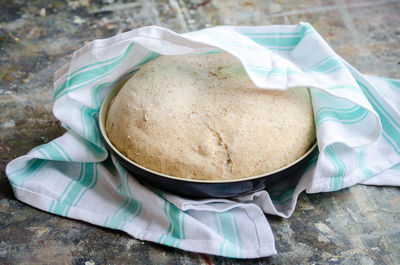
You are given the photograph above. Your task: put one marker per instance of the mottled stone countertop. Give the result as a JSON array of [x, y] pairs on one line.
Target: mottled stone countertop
[[358, 225]]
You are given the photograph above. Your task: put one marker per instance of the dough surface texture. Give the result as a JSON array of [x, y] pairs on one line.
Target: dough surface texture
[[201, 117]]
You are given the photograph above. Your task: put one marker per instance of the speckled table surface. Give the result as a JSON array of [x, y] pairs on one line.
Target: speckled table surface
[[358, 225]]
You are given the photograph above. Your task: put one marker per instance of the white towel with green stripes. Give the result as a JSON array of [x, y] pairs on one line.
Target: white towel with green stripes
[[357, 120]]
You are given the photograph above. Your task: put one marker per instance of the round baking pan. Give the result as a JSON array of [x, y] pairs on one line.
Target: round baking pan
[[202, 188]]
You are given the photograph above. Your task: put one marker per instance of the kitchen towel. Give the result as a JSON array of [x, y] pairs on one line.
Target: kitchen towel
[[357, 121]]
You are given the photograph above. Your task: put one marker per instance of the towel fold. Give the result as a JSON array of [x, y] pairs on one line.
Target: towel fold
[[357, 121]]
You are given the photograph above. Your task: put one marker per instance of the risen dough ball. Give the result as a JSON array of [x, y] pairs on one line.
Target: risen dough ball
[[200, 117]]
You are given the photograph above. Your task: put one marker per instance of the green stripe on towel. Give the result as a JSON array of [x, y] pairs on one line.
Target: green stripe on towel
[[19, 177], [344, 116], [362, 165], [340, 169], [390, 127], [92, 74], [86, 180]]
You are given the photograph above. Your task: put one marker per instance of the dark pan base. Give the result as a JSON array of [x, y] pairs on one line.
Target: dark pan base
[[217, 190], [284, 178]]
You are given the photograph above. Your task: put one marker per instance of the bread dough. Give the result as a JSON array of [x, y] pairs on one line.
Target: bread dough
[[201, 117]]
